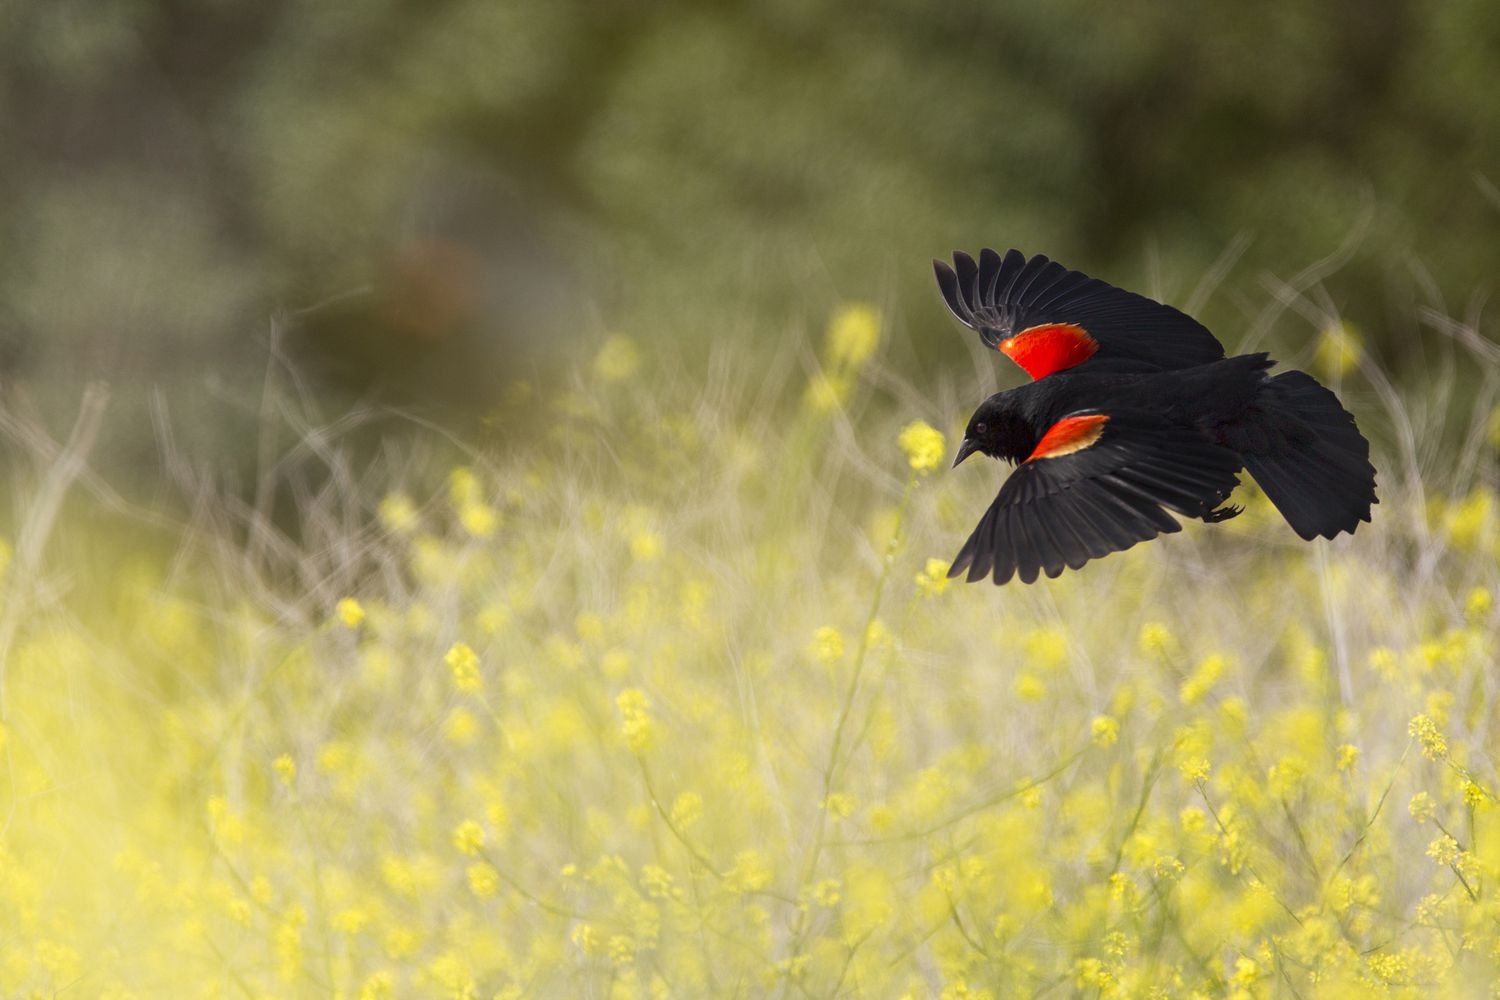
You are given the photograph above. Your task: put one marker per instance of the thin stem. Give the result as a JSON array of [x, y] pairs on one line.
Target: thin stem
[[810, 869]]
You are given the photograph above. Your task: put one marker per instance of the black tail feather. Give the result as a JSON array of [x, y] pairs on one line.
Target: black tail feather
[[1306, 453]]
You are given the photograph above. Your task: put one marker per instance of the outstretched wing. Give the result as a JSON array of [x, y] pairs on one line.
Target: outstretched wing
[[1046, 318], [1097, 483]]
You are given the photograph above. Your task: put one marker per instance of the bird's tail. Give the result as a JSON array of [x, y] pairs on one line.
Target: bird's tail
[[1306, 453]]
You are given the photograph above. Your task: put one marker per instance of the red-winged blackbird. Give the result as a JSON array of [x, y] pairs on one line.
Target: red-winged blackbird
[[1134, 411]]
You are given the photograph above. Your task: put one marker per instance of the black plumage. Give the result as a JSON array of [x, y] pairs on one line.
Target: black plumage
[[1135, 412]]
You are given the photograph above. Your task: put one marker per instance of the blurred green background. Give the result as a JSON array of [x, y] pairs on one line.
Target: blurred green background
[[430, 201]]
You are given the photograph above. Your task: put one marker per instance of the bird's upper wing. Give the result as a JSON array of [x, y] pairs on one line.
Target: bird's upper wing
[[1096, 483], [1046, 318]]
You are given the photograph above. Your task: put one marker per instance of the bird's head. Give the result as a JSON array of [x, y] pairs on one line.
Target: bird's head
[[998, 430]]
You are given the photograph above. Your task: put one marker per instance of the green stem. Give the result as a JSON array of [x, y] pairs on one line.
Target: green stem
[[810, 870]]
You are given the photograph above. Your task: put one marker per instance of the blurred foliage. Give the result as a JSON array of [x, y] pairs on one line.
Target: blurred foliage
[[460, 186]]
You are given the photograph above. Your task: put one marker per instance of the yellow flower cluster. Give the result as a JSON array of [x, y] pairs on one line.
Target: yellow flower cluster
[[1426, 732], [618, 359], [655, 768], [828, 645], [350, 612], [638, 728], [1339, 349], [852, 338], [933, 579], [468, 837], [1105, 730], [923, 446], [853, 335], [463, 662]]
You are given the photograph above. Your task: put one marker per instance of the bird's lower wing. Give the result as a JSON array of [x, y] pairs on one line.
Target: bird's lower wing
[[1097, 483]]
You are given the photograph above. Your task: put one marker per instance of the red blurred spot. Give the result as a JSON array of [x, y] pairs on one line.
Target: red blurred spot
[[431, 289]]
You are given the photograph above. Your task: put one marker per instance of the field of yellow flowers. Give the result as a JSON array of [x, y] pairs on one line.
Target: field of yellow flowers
[[678, 703]]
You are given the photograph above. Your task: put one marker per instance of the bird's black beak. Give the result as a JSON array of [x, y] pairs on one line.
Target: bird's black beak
[[969, 447]]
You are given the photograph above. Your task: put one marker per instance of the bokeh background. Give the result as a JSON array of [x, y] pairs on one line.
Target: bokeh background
[[475, 516], [433, 201]]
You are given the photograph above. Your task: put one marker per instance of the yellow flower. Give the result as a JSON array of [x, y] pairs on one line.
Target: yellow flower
[[840, 805], [826, 393], [923, 446], [1338, 349], [687, 809], [657, 882], [400, 942], [826, 892], [468, 837], [1088, 974], [451, 972], [1390, 968], [1421, 807], [479, 519], [637, 726], [285, 768], [1046, 648], [933, 579], [1167, 868], [1156, 639], [379, 985], [1104, 730], [645, 546], [1246, 972], [461, 727], [1478, 605], [828, 645], [463, 486], [484, 880], [621, 950], [617, 360], [1202, 679], [350, 612], [335, 756], [586, 939], [464, 663], [853, 335], [1474, 795], [1030, 687], [751, 872], [1384, 662], [350, 921], [398, 513], [1348, 755], [1467, 520], [1285, 777], [1195, 769], [1443, 850], [615, 663], [1426, 732]]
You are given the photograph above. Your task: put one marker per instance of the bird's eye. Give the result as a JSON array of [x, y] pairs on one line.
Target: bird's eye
[[981, 427]]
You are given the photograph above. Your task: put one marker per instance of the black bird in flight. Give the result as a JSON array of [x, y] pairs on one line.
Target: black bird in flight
[[1134, 411]]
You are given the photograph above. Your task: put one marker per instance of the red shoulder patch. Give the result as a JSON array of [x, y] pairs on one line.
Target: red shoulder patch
[[1068, 435], [1048, 348]]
